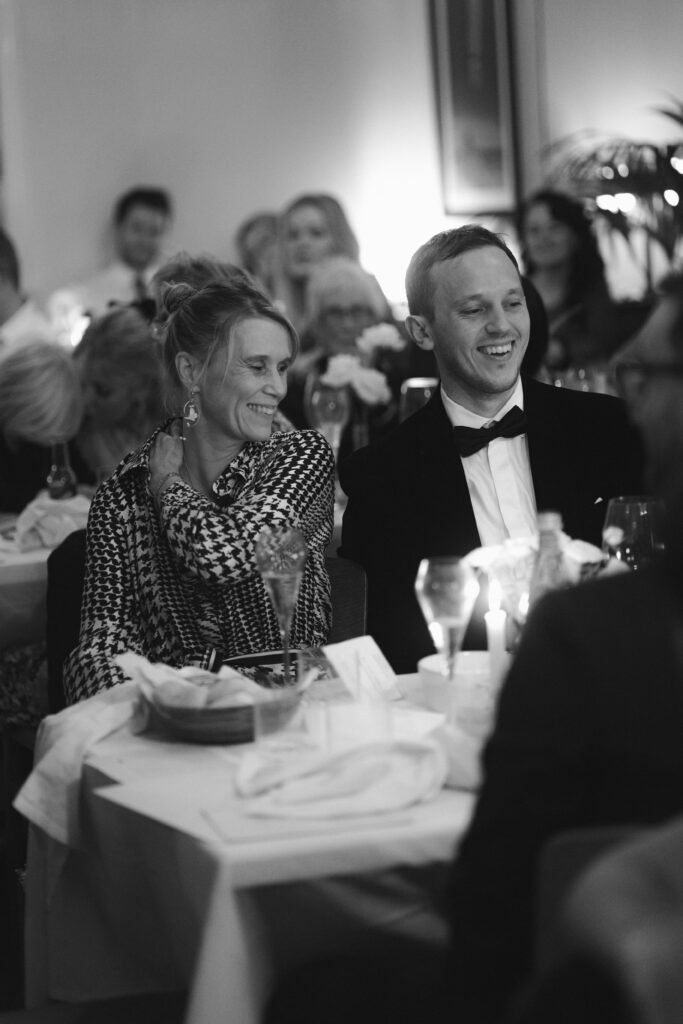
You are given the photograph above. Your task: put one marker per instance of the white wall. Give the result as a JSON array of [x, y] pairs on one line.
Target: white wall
[[237, 105]]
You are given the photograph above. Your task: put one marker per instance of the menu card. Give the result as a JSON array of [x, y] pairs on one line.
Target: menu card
[[363, 669]]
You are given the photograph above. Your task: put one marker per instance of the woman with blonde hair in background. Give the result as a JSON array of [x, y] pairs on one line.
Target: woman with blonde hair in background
[[40, 403]]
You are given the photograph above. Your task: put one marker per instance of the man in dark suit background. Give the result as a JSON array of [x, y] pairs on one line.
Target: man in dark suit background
[[416, 494]]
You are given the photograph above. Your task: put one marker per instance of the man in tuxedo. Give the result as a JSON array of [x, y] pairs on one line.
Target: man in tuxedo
[[486, 452]]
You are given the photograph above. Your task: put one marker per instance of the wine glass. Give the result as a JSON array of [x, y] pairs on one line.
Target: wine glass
[[280, 558], [446, 590], [633, 530], [415, 392], [328, 409]]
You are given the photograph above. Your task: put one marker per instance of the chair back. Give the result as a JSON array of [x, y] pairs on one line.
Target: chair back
[[65, 581], [562, 860], [349, 588]]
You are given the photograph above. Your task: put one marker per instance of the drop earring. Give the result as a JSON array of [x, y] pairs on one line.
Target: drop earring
[[191, 409]]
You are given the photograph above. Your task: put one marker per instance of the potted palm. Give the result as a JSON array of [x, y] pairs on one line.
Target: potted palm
[[633, 186]]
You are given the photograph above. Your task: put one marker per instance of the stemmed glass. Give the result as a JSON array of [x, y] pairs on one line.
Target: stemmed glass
[[446, 590], [280, 554], [328, 409], [633, 530]]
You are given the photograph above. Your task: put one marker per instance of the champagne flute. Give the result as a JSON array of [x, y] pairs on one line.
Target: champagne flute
[[633, 530], [280, 555], [328, 409], [446, 590]]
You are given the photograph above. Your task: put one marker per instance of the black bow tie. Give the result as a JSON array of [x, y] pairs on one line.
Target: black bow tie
[[469, 440]]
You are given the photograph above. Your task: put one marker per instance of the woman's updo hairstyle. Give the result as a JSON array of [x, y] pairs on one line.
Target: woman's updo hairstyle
[[199, 320]]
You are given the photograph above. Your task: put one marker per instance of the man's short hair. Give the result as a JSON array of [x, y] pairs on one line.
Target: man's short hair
[[9, 261], [445, 246], [154, 198]]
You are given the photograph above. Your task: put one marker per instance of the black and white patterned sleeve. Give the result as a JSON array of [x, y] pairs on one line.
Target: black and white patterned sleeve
[[109, 624], [293, 486]]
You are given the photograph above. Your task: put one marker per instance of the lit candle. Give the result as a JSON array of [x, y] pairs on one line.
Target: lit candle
[[495, 619]]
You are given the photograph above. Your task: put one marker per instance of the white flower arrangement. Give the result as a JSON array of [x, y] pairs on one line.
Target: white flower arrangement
[[380, 336], [369, 385]]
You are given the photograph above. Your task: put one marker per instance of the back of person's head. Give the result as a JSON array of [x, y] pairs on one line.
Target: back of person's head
[[344, 241], [40, 394], [121, 372], [587, 263], [154, 198], [253, 237], [341, 276], [197, 271], [199, 321], [9, 261], [447, 245]]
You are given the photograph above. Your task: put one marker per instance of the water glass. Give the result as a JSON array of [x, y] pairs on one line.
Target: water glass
[[415, 392], [633, 530]]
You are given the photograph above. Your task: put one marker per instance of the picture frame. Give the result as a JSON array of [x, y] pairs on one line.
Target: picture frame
[[473, 71]]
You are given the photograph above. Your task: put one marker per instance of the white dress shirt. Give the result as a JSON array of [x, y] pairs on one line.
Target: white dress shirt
[[29, 323], [498, 476]]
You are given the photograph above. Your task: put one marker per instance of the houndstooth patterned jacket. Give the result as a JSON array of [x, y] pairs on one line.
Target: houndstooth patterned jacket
[[176, 583]]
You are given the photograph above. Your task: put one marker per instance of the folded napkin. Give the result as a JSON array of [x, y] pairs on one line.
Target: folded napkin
[[49, 797], [45, 521], [370, 779]]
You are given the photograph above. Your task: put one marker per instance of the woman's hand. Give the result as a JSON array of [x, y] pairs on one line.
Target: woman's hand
[[165, 459]]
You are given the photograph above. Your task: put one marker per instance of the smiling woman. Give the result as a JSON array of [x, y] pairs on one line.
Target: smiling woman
[[170, 559]]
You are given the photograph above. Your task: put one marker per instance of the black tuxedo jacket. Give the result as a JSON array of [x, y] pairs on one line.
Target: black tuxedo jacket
[[588, 733], [408, 497]]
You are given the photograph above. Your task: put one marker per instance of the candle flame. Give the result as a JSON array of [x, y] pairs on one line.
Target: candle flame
[[495, 596], [523, 606]]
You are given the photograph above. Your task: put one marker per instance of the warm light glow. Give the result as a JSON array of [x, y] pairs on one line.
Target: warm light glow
[[437, 636], [677, 164], [672, 197], [495, 596], [608, 203], [626, 201], [607, 172], [523, 607], [77, 329], [623, 170]]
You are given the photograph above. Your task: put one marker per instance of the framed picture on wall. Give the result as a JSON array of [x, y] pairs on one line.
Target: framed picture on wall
[[471, 45]]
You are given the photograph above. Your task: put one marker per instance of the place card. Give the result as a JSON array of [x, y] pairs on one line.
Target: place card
[[363, 669]]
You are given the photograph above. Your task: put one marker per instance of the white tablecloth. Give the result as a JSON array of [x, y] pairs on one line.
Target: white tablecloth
[[156, 900]]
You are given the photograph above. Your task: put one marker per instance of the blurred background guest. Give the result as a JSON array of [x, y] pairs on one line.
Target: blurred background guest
[[21, 319], [170, 568], [40, 404], [119, 365], [313, 227], [142, 217], [342, 302], [562, 260], [257, 249]]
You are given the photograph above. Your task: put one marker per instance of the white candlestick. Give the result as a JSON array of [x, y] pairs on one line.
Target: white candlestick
[[495, 620]]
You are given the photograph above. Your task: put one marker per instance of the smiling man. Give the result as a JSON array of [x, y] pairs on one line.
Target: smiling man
[[487, 451]]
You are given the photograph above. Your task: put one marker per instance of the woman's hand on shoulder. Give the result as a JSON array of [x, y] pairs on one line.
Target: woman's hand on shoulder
[[166, 457]]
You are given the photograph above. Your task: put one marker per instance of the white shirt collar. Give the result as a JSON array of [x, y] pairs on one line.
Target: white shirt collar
[[462, 417]]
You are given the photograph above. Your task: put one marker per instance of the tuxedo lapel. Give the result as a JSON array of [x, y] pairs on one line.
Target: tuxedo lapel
[[550, 452], [446, 520]]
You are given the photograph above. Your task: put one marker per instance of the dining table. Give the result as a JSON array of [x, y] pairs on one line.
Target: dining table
[[171, 885]]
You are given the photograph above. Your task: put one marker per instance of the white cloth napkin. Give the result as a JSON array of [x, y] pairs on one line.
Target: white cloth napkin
[[375, 778], [45, 522], [49, 797]]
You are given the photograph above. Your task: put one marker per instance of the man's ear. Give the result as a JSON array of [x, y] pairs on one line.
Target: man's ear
[[418, 329], [188, 369]]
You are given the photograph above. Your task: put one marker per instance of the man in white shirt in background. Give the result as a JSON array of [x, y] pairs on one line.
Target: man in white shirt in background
[[141, 221], [442, 483], [20, 318]]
